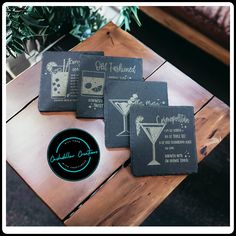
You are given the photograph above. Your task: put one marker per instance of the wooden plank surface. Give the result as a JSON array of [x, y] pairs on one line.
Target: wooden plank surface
[[29, 132], [110, 39], [127, 200], [38, 131], [62, 197], [181, 88], [28, 136], [116, 42], [187, 32], [22, 90]]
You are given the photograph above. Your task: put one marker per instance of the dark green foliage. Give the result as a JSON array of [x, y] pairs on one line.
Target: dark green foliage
[[46, 24], [126, 14]]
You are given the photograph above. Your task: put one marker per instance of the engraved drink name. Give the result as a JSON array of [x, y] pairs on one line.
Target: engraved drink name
[[67, 155], [111, 67], [180, 118], [73, 62]]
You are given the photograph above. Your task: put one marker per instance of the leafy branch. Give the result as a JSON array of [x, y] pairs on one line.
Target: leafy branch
[[126, 15], [46, 24]]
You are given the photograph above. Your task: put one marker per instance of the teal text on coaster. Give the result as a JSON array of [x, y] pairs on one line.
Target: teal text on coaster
[[73, 154]]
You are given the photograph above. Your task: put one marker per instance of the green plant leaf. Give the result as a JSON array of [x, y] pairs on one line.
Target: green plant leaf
[[126, 14], [18, 43], [127, 24], [135, 15], [16, 49], [11, 52], [136, 20], [45, 10], [38, 11], [51, 18], [121, 20], [43, 31], [30, 30], [31, 21], [47, 23], [18, 35], [33, 13], [9, 38]]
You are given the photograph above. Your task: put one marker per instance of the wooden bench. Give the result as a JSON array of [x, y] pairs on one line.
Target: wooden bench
[[111, 195], [189, 33]]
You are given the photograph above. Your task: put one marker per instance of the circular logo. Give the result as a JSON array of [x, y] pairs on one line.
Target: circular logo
[[73, 154]]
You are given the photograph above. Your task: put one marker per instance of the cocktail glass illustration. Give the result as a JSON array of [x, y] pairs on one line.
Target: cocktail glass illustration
[[59, 83], [59, 78], [153, 131], [123, 106]]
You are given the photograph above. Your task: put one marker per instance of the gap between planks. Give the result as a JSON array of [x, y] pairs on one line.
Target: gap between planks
[[154, 71], [118, 169], [124, 165], [200, 158], [27, 104], [93, 193]]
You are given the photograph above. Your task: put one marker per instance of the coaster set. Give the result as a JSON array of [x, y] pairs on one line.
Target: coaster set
[[136, 113]]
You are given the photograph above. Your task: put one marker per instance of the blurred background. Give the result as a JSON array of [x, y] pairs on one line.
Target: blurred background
[[200, 200]]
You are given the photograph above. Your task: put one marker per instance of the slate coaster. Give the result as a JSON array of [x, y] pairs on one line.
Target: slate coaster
[[94, 71], [59, 80], [119, 96], [162, 140]]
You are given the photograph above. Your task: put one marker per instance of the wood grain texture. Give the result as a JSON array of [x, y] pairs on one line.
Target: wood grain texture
[[28, 137], [22, 90], [110, 39], [187, 32], [29, 132], [182, 90], [127, 200], [38, 129], [116, 42]]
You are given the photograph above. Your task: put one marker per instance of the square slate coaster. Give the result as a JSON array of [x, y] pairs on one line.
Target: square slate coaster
[[119, 96], [162, 140], [94, 71], [59, 80]]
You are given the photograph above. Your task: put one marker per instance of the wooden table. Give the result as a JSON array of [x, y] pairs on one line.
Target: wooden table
[[111, 195]]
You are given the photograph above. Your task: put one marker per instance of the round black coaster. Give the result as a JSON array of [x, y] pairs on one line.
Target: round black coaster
[[73, 154]]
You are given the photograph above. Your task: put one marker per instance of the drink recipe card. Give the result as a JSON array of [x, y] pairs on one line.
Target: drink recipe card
[[59, 80], [119, 96], [162, 140], [94, 71]]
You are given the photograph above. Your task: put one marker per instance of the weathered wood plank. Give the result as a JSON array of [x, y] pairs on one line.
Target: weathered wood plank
[[116, 42], [182, 90], [37, 128], [41, 131], [28, 136], [128, 200], [22, 90], [110, 39]]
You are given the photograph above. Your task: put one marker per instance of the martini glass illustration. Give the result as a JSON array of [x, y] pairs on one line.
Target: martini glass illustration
[[153, 131], [123, 106]]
